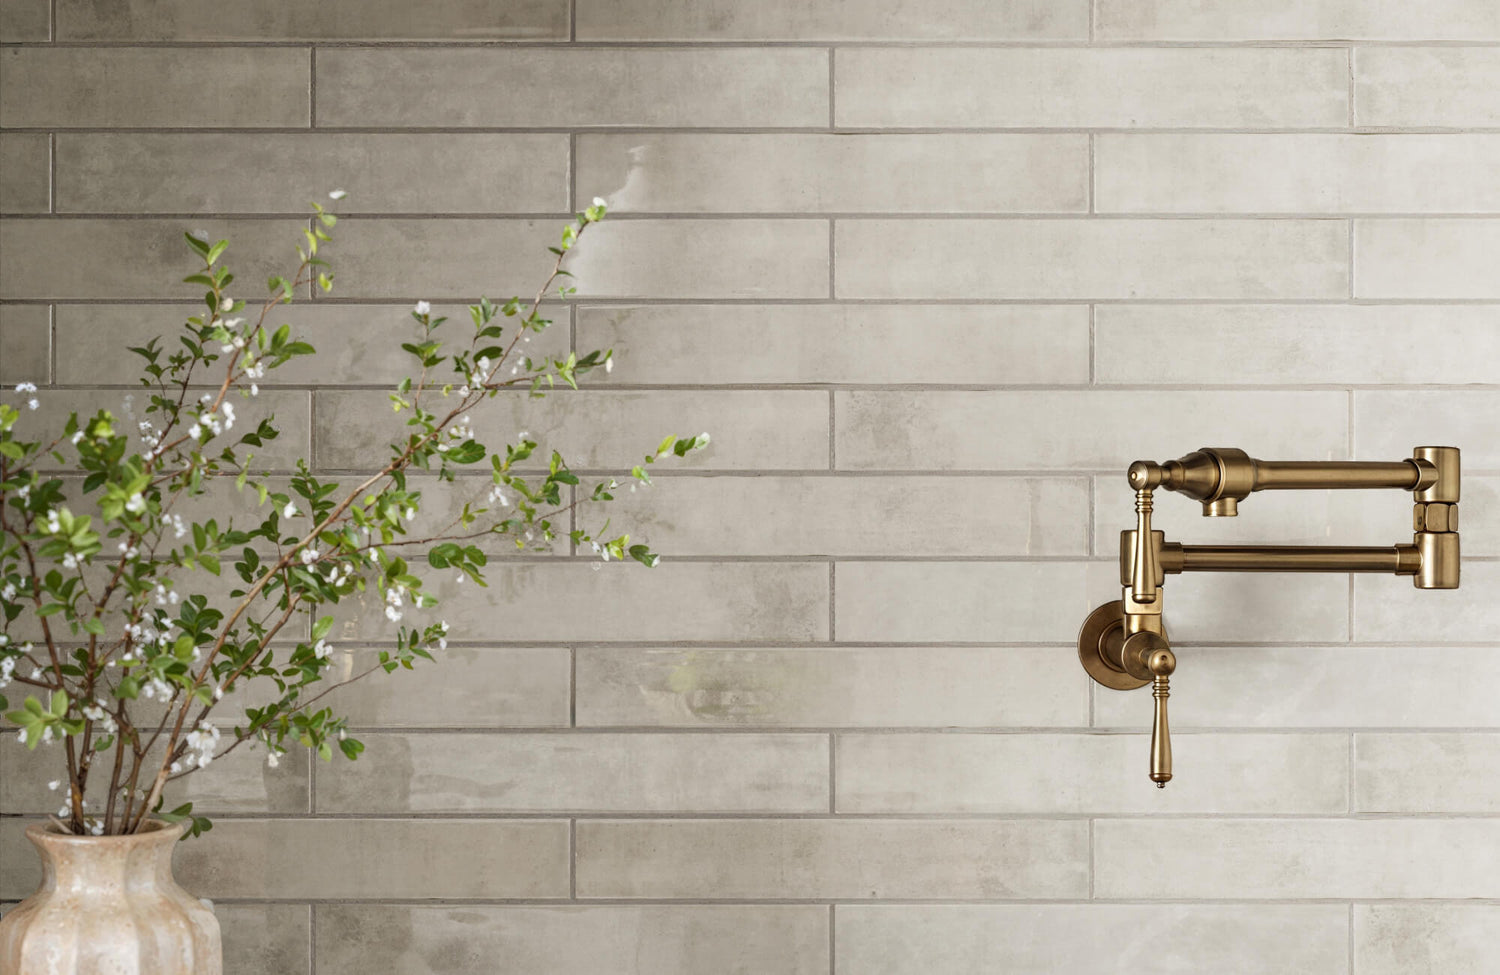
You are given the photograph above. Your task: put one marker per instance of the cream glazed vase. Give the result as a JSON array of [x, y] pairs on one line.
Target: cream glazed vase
[[108, 906]]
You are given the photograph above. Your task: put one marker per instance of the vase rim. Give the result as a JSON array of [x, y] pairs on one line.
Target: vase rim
[[154, 829]]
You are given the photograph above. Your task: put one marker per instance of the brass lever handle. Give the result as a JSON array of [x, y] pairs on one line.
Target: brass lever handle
[[1147, 656], [1143, 571]]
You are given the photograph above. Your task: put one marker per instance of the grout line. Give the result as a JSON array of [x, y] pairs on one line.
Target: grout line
[[1352, 86], [1093, 346], [1351, 938], [312, 939], [833, 774], [832, 939], [572, 21], [573, 859], [833, 634], [572, 687], [936, 45], [727, 129], [52, 173], [52, 345], [312, 87], [833, 123], [572, 172], [833, 464], [1349, 803], [52, 22], [1092, 192], [1351, 239], [833, 291], [1091, 856]]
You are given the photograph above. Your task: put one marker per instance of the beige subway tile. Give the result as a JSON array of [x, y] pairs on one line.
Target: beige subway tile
[[980, 344], [25, 20], [183, 20], [82, 87], [1388, 423], [288, 409], [437, 258], [1228, 607], [960, 602], [25, 344], [1319, 687], [1258, 859], [1425, 258], [1294, 344], [1103, 939], [464, 688], [1391, 610], [354, 859], [1295, 20], [129, 172], [101, 258], [356, 344], [701, 173], [848, 859], [962, 430], [583, 600], [860, 516], [1092, 87], [1426, 773], [750, 430], [1427, 86], [796, 20], [599, 773], [240, 782], [1029, 258], [1403, 939], [265, 939], [1303, 173], [856, 687], [25, 172], [703, 259], [1073, 774], [763, 939], [508, 86]]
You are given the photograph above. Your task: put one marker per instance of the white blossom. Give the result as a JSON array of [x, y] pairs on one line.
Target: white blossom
[[25, 387], [337, 195], [309, 555], [290, 511], [202, 742], [599, 201], [422, 308], [136, 504]]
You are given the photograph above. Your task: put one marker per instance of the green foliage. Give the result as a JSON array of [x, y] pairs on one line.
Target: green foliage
[[129, 624]]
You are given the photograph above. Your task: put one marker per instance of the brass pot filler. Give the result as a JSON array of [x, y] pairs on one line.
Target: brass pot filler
[[1123, 644]]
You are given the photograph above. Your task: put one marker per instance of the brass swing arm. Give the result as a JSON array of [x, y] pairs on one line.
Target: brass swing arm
[[1123, 644]]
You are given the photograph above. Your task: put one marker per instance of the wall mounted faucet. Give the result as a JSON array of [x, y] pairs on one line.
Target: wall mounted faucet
[[1123, 644]]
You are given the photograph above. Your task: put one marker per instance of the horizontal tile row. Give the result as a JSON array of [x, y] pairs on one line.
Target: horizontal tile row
[[1066, 259], [1243, 20]]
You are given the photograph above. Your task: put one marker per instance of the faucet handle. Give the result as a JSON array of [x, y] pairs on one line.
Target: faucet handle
[[1148, 655]]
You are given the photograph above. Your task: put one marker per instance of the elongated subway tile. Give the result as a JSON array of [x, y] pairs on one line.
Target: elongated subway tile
[[857, 687], [704, 173], [465, 688], [1389, 609], [1299, 517], [849, 859], [1427, 86], [1295, 20], [960, 602], [1225, 607], [1389, 423], [622, 939], [861, 516], [750, 430], [1425, 773], [1062, 430], [287, 408], [267, 20], [78, 87], [652, 772], [1425, 258], [355, 859], [1294, 344], [1398, 939], [1319, 687], [1141, 258], [582, 600], [25, 344], [265, 939], [703, 259], [241, 782], [25, 172], [129, 172], [794, 20], [347, 859], [1303, 173], [998, 773], [508, 86], [1092, 87], [355, 344], [1045, 939], [24, 20], [438, 258], [1259, 859], [771, 343], [101, 258]]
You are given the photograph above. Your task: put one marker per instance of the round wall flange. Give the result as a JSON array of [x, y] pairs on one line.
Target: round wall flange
[[1099, 641]]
